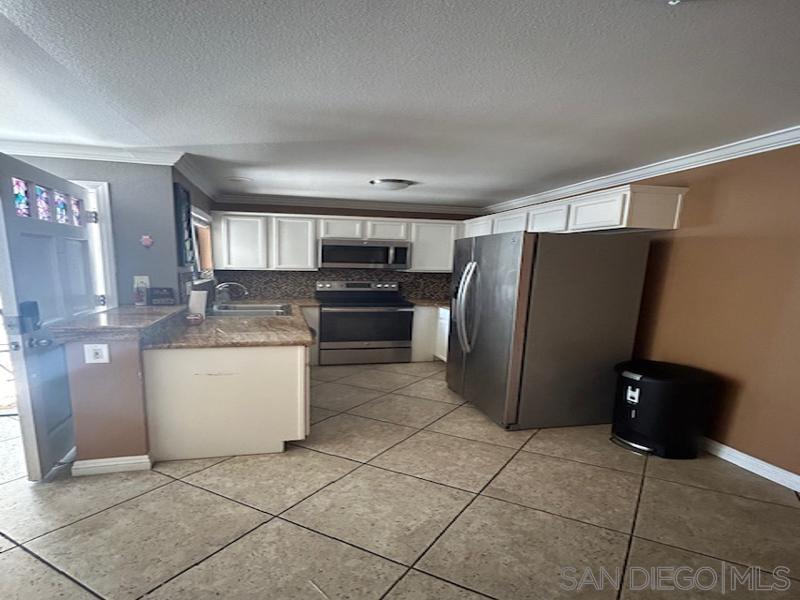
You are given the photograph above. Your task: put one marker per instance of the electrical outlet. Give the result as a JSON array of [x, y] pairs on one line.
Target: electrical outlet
[[96, 354]]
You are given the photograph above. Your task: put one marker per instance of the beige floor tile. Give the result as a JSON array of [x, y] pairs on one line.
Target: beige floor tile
[[419, 586], [334, 372], [128, 550], [516, 553], [446, 459], [600, 496], [9, 429], [646, 557], [432, 389], [320, 414], [384, 381], [470, 423], [12, 460], [714, 473], [721, 525], [354, 437], [281, 561], [403, 410], [23, 577], [6, 544], [30, 509], [182, 468], [417, 369], [273, 482], [588, 444], [393, 515], [335, 396], [440, 376]]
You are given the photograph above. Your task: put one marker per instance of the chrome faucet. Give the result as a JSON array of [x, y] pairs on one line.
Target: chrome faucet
[[222, 292]]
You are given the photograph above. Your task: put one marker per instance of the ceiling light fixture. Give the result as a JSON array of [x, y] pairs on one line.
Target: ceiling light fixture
[[673, 2], [238, 179], [391, 184]]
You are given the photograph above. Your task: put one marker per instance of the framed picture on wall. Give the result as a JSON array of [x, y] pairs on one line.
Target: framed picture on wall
[[183, 225]]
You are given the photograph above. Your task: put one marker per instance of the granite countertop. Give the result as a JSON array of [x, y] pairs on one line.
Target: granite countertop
[[239, 331], [314, 302], [123, 322], [426, 302]]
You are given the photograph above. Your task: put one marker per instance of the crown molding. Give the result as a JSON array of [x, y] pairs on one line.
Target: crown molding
[[755, 145], [101, 153], [190, 169], [323, 203]]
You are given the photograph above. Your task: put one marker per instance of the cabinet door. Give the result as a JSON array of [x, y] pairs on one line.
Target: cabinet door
[[341, 228], [548, 218], [432, 246], [294, 243], [476, 227], [240, 241], [387, 230], [442, 334], [506, 223], [602, 211]]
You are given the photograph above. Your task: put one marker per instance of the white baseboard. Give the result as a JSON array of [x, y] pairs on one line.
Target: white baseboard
[[116, 464], [754, 465]]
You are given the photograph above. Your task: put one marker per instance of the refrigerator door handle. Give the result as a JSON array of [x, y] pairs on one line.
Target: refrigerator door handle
[[457, 306], [464, 295], [461, 309]]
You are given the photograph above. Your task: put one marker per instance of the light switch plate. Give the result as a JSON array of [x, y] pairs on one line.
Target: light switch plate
[[96, 354]]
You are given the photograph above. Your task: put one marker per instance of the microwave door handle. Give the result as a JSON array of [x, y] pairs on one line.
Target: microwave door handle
[[391, 255]]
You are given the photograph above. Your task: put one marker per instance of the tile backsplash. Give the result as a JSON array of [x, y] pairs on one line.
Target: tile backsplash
[[300, 284]]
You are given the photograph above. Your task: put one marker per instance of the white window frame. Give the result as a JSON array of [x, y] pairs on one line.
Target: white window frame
[[101, 240], [198, 214]]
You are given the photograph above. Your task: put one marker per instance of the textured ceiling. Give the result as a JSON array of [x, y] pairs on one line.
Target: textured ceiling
[[480, 101]]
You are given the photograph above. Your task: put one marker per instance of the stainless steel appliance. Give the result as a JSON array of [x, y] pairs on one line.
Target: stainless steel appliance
[[363, 322], [364, 254], [540, 320]]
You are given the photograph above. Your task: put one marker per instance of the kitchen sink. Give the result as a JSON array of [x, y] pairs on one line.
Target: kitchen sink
[[250, 309]]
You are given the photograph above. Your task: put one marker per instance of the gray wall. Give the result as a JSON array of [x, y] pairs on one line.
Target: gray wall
[[141, 203], [199, 197]]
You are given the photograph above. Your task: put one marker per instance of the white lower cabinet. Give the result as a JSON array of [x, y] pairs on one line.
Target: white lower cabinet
[[423, 334], [294, 244], [311, 315], [239, 241], [442, 334], [205, 402], [432, 246]]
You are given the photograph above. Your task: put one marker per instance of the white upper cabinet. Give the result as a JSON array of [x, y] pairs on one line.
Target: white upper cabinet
[[548, 218], [432, 246], [387, 230], [341, 228], [294, 243], [503, 223], [240, 241], [628, 206], [476, 227]]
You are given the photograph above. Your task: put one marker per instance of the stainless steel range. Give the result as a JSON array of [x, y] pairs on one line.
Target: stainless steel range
[[363, 322]]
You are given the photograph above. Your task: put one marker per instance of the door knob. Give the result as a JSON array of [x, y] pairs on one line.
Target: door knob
[[40, 343]]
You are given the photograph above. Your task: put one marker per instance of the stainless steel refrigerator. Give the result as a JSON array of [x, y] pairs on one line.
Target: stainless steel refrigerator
[[538, 322]]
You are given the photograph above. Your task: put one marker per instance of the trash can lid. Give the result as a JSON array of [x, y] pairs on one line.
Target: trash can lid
[[654, 370]]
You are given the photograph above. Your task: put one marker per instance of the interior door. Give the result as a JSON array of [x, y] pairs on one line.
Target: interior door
[[495, 302], [45, 276]]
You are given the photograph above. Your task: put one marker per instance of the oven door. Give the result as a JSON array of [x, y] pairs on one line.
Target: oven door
[[365, 327]]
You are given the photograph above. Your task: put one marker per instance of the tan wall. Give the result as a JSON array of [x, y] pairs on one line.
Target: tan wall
[[108, 402], [723, 293]]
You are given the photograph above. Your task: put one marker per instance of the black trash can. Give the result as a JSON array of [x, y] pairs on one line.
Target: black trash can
[[662, 407]]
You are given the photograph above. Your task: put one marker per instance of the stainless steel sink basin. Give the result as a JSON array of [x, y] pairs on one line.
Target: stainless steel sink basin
[[251, 309]]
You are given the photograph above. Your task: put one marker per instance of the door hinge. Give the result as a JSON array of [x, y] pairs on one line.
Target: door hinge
[[92, 216], [100, 300]]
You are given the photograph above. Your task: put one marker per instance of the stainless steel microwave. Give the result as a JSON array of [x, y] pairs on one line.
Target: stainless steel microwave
[[364, 254]]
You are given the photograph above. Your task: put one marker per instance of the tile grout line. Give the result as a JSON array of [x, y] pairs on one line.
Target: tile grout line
[[47, 563], [582, 462], [460, 512], [633, 529], [705, 489]]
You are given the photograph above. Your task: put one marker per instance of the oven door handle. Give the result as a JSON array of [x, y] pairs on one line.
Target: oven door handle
[[354, 309]]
